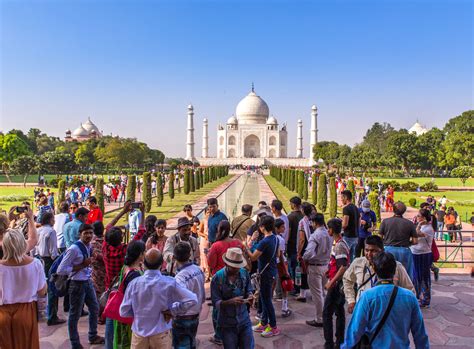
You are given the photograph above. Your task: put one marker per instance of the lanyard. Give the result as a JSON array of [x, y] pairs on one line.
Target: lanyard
[[372, 277]]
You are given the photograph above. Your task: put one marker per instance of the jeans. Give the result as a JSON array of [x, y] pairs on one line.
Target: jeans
[[404, 256], [217, 329], [438, 233], [109, 333], [352, 243], [81, 292], [422, 277], [52, 299], [240, 337], [268, 311], [334, 304], [184, 333]]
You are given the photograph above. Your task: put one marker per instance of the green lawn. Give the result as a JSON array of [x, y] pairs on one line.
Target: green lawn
[[170, 208], [462, 201], [284, 195], [440, 182], [21, 193], [31, 178]]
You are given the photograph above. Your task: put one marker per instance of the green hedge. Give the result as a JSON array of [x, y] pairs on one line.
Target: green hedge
[[332, 197], [159, 190], [99, 193], [322, 193], [146, 190], [131, 187], [171, 186]]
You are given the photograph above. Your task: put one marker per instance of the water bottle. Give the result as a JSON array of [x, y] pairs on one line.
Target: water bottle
[[298, 275]]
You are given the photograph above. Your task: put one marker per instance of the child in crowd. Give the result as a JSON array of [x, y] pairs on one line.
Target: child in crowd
[[282, 266]]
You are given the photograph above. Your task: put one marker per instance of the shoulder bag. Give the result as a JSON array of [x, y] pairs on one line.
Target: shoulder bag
[[255, 278], [112, 308], [366, 342]]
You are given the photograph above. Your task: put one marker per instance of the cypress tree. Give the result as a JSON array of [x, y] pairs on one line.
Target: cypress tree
[[201, 177], [131, 187], [305, 189], [171, 186], [206, 175], [178, 186], [147, 191], [351, 187], [314, 189], [61, 193], [192, 186], [301, 184], [159, 190], [196, 179], [322, 193], [332, 197], [294, 180], [375, 205], [99, 192], [186, 181]]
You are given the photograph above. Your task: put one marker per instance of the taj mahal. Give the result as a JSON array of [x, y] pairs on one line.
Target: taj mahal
[[251, 137]]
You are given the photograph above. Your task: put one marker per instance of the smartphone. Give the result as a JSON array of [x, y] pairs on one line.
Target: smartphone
[[136, 204], [21, 209]]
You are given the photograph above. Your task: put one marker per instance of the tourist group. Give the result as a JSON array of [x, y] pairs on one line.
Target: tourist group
[[148, 289]]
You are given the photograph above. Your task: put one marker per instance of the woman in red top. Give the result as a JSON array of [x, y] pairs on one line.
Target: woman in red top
[[158, 239], [219, 248]]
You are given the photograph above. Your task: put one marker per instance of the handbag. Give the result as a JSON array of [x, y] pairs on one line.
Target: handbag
[[104, 297], [366, 342], [112, 308], [255, 278], [434, 251]]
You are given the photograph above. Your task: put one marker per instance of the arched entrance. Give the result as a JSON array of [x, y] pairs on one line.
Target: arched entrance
[[252, 147]]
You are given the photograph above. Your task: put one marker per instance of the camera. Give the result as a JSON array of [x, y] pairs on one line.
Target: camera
[[136, 204], [21, 209]]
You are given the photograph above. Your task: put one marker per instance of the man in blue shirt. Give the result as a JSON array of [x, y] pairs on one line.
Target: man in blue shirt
[[405, 315], [76, 264], [214, 219], [71, 229]]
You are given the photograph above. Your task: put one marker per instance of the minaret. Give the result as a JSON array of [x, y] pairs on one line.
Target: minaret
[[205, 139], [190, 135], [314, 133], [299, 140]]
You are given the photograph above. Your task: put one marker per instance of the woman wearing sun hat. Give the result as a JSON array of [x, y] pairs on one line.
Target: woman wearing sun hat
[[231, 291]]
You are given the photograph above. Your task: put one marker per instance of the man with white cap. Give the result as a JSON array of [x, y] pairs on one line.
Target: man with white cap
[[368, 223], [231, 291]]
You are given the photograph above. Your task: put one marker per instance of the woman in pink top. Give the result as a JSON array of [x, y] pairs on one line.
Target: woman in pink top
[[219, 248]]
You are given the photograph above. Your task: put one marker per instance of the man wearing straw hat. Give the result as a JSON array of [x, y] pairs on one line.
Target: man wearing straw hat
[[231, 291]]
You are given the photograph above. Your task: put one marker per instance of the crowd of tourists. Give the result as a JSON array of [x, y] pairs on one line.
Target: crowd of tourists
[[149, 292]]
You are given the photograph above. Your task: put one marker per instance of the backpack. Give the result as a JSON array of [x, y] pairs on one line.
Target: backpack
[[59, 284]]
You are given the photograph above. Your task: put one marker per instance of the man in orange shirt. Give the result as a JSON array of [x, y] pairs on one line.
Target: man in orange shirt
[[95, 213]]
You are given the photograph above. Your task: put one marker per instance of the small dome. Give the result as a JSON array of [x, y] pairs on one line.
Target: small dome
[[190, 107], [80, 132], [418, 129], [89, 126], [300, 121], [205, 120], [68, 131], [232, 120], [314, 107], [252, 110], [272, 121]]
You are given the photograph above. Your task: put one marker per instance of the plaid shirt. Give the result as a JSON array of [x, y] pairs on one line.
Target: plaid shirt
[[97, 263], [113, 260]]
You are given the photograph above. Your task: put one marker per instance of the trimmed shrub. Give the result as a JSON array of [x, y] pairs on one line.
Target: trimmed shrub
[[159, 190], [146, 190], [196, 179], [61, 193], [305, 189], [99, 193], [178, 186], [429, 186], [131, 187], [301, 184], [171, 186], [409, 186], [351, 187], [314, 189], [192, 185], [186, 181], [332, 197], [322, 193], [395, 185], [375, 205], [206, 175], [412, 202]]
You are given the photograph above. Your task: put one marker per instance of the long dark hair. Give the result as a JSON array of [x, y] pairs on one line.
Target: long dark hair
[[134, 250], [429, 218], [223, 230], [149, 227], [154, 236]]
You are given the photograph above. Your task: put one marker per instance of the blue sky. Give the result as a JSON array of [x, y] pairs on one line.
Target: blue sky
[[133, 66]]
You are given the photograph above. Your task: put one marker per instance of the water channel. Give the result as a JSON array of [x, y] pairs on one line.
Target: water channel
[[245, 190]]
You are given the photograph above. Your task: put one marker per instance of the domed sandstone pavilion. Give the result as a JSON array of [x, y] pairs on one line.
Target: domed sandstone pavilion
[[84, 132], [251, 137]]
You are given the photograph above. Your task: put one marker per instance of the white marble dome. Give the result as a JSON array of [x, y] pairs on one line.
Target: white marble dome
[[80, 132], [232, 120], [418, 129], [272, 121], [252, 109], [89, 126]]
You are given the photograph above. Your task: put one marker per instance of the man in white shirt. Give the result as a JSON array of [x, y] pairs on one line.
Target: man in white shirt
[[191, 277], [59, 221]]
